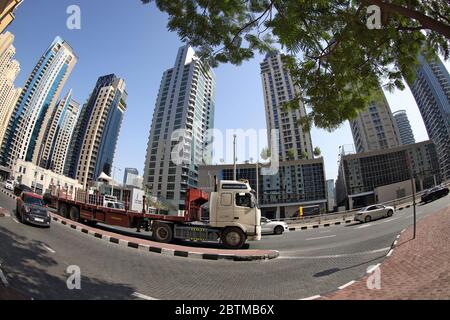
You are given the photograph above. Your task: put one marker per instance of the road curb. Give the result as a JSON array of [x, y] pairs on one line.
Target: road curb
[[194, 253], [12, 196]]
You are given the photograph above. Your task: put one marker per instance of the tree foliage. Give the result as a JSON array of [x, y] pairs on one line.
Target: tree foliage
[[334, 58], [317, 152]]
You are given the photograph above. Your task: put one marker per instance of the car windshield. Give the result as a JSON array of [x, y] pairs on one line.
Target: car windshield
[[34, 201]]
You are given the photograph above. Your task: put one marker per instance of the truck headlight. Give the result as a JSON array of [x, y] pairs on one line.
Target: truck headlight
[[27, 210]]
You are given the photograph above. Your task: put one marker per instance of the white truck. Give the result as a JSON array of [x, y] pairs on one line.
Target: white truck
[[233, 218]]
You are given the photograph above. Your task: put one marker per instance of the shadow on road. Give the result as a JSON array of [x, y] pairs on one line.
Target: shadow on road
[[27, 264], [328, 272], [147, 236]]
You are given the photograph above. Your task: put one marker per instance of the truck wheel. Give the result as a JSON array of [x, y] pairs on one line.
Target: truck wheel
[[162, 232], [63, 210], [74, 214], [233, 238]]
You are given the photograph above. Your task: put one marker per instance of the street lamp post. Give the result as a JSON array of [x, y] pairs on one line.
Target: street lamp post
[[234, 157], [112, 183], [413, 187]]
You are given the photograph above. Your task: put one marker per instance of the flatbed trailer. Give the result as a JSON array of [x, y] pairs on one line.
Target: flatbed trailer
[[82, 206]]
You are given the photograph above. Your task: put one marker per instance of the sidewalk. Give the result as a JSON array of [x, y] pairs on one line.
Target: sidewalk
[[417, 269]]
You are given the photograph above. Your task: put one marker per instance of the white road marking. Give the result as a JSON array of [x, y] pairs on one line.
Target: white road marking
[[364, 226], [312, 298], [395, 242], [321, 237], [3, 278], [48, 249], [337, 255], [143, 296], [390, 252], [403, 230], [375, 224], [398, 236], [15, 220], [375, 267], [346, 285]]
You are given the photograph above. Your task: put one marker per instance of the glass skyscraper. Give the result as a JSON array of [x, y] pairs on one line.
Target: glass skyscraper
[[59, 132], [96, 133], [431, 90], [36, 103], [186, 101]]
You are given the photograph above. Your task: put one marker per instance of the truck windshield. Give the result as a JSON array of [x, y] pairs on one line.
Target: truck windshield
[[34, 201]]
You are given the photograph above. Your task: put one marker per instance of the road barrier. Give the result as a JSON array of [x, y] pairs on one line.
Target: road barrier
[[332, 218]]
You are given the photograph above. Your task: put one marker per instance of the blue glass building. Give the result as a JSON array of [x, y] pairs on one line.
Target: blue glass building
[[25, 131], [431, 90]]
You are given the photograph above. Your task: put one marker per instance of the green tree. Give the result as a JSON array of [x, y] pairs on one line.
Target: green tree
[[265, 153], [304, 155], [334, 58], [291, 154], [317, 152]]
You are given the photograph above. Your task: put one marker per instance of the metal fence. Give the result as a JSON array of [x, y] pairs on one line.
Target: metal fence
[[350, 214]]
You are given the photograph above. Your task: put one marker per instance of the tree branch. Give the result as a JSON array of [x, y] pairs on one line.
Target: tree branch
[[426, 21]]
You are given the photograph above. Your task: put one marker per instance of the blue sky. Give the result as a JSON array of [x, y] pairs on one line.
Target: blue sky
[[132, 41]]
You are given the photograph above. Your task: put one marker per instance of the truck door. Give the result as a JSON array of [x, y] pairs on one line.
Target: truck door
[[243, 208]]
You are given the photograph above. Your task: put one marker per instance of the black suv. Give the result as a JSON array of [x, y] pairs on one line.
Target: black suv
[[434, 193]]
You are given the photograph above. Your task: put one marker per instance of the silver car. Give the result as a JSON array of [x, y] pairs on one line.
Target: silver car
[[9, 185], [273, 227], [374, 212]]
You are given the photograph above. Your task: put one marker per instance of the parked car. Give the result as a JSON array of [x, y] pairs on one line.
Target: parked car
[[30, 208], [374, 212], [21, 188], [273, 227], [9, 185], [434, 193]]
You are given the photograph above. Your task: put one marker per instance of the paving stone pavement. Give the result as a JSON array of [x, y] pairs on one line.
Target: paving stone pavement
[[416, 269]]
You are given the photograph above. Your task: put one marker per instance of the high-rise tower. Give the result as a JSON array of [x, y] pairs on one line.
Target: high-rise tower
[[183, 113], [431, 90], [404, 127], [375, 128], [294, 142], [35, 105], [97, 130]]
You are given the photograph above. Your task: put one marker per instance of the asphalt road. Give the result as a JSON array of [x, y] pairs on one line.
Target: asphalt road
[[34, 261]]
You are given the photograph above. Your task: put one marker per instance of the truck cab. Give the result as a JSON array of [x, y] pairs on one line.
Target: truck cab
[[233, 218], [233, 207]]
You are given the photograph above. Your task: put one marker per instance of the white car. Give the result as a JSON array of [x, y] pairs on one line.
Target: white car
[[273, 227], [9, 185], [374, 212]]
